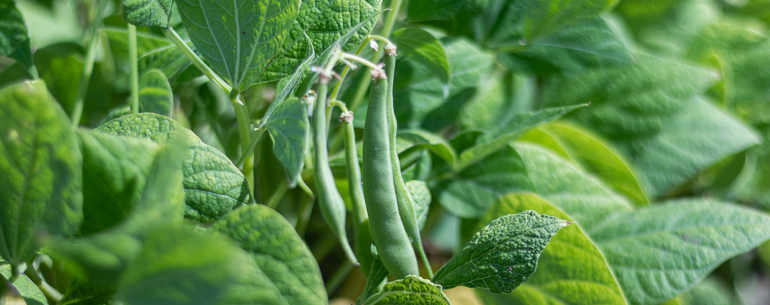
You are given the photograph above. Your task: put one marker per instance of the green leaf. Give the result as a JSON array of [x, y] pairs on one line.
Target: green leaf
[[238, 39], [584, 198], [14, 36], [472, 191], [410, 290], [40, 173], [427, 10], [422, 47], [571, 269], [148, 12], [661, 251], [213, 185], [87, 293], [749, 186], [586, 44], [155, 93], [28, 290], [549, 16], [696, 138], [421, 94], [518, 126], [597, 157], [421, 195], [168, 59], [287, 85], [502, 255], [327, 23], [115, 170], [277, 249], [289, 128], [166, 272], [145, 43], [434, 142], [708, 292], [498, 98]]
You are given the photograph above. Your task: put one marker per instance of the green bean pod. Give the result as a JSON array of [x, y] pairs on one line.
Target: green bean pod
[[388, 232], [403, 197], [362, 232], [331, 203]]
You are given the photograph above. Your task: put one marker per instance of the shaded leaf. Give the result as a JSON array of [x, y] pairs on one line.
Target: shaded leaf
[[168, 59], [278, 251], [238, 39], [40, 173], [155, 93], [433, 9], [432, 141], [289, 128], [421, 195], [86, 293], [409, 290], [652, 250], [420, 46], [502, 255], [148, 12], [14, 36]]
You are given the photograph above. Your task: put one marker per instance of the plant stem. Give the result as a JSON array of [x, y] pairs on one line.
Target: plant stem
[[304, 217], [190, 54], [88, 65], [134, 68], [252, 144], [50, 292], [278, 195], [395, 6]]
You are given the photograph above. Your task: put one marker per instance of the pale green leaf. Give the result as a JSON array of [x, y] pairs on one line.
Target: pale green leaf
[[28, 290], [581, 196], [421, 195], [420, 46], [326, 23], [427, 10], [14, 36], [663, 250], [434, 142], [708, 292], [40, 173], [145, 43], [289, 128], [115, 170], [571, 269], [168, 59], [155, 93], [87, 293], [148, 12], [409, 290], [503, 254], [212, 184], [599, 158], [751, 184], [239, 38], [498, 98], [516, 127], [278, 251], [178, 265]]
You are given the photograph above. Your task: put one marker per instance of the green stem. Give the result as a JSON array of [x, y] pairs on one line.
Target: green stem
[[395, 6], [50, 292], [249, 147], [88, 66], [278, 195], [190, 54], [134, 68], [304, 218]]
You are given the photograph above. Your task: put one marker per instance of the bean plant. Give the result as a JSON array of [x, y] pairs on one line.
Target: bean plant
[[380, 152]]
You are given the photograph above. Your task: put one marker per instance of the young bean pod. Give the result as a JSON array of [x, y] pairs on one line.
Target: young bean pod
[[362, 232], [403, 197], [331, 203], [388, 232]]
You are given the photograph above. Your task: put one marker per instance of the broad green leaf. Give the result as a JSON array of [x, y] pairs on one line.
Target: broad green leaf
[[212, 184], [168, 59], [155, 93], [427, 10], [277, 249], [708, 292], [581, 196], [238, 39], [14, 36], [699, 136], [148, 12], [502, 255], [420, 169], [663, 250], [115, 170], [28, 290], [40, 173], [420, 46], [498, 98], [409, 290], [145, 43], [639, 101], [599, 158], [750, 185], [101, 258], [549, 16], [586, 44], [434, 142], [518, 126], [473, 190], [326, 23], [287, 85], [87, 293], [178, 265], [421, 195], [571, 269], [420, 93], [289, 128]]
